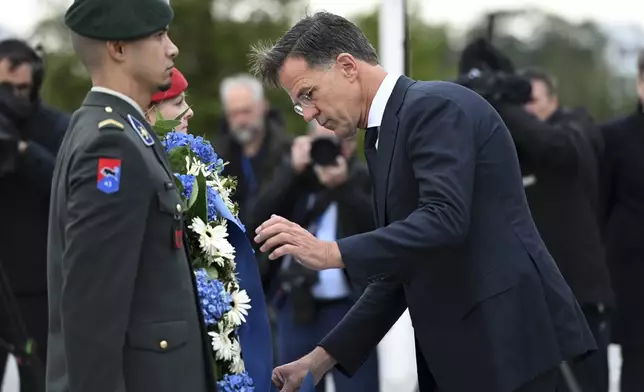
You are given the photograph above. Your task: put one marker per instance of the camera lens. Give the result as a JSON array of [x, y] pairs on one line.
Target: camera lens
[[324, 151]]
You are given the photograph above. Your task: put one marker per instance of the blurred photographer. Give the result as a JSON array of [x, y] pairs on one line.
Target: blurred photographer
[[558, 150], [321, 186], [30, 133]]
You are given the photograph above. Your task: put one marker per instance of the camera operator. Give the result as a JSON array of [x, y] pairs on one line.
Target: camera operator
[[324, 187], [558, 153], [30, 133]]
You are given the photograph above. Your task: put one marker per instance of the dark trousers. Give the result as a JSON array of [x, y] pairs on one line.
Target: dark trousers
[[295, 341], [592, 373], [632, 378], [546, 382]]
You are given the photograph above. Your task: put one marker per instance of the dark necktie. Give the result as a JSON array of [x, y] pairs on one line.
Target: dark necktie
[[370, 137]]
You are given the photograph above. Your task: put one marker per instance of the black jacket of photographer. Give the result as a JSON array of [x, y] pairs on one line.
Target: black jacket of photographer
[[559, 159], [288, 193]]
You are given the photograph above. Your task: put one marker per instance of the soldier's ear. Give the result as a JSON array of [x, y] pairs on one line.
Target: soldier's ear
[[115, 50]]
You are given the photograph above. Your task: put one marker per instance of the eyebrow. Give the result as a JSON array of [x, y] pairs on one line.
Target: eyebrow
[[304, 89]]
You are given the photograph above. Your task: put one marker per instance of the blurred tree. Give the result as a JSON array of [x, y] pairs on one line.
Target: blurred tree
[[576, 56]]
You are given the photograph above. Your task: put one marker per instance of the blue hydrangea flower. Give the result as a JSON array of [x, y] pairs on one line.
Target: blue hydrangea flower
[[236, 383], [176, 139], [187, 181], [215, 300]]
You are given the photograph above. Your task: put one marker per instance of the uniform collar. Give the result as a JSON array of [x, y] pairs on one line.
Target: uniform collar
[[377, 109], [124, 97]]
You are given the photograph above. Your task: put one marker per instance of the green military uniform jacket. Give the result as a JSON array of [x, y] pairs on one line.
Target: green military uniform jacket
[[124, 314]]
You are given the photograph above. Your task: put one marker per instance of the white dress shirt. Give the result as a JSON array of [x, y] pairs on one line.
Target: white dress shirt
[[379, 103]]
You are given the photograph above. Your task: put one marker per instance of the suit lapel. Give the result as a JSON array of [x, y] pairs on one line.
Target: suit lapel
[[386, 143], [124, 109]]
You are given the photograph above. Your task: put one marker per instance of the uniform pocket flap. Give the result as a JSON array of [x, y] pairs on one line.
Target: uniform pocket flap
[[159, 337], [170, 202]]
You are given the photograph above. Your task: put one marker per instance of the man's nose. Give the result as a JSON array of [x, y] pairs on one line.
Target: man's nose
[[173, 50], [309, 114]]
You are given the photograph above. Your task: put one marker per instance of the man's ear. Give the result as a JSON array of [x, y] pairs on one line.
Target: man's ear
[[116, 50], [348, 64]]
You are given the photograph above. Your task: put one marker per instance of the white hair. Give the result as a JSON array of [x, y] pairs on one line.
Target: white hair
[[241, 80]]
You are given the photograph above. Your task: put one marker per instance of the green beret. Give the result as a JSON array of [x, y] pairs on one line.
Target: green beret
[[122, 20]]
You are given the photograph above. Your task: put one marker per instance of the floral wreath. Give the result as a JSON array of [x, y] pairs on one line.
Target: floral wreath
[[198, 176]]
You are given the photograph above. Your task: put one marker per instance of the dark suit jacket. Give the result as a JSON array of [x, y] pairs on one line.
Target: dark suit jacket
[[623, 190], [123, 306], [456, 245], [562, 155]]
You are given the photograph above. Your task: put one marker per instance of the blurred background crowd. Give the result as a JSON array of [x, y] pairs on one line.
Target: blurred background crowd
[[570, 92]]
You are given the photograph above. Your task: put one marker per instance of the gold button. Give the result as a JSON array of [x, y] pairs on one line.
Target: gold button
[[108, 109], [163, 344], [179, 208]]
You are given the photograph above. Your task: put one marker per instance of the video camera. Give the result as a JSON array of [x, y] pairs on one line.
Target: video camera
[[490, 73]]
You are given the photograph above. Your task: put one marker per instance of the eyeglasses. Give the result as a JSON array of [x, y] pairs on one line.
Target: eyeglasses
[[305, 100]]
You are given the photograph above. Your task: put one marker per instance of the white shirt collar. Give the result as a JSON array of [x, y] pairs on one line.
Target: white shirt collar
[[124, 97], [377, 109]]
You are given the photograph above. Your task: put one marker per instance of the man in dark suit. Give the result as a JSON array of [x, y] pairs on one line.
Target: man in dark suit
[[623, 224], [456, 242], [123, 307]]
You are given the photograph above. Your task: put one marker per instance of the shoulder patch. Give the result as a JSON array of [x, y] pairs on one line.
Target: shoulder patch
[[140, 130], [110, 123]]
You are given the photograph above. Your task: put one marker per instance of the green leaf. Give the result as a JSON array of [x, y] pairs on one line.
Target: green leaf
[[179, 117], [194, 194], [212, 272], [200, 205], [177, 157]]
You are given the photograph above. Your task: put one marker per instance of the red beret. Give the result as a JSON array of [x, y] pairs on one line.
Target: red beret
[[179, 85]]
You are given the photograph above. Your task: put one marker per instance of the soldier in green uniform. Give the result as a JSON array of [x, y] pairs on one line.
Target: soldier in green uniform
[[124, 315]]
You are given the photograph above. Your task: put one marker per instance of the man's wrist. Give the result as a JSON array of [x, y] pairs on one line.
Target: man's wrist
[[320, 363], [333, 255]]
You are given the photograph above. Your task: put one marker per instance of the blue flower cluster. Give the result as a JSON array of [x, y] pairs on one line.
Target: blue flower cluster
[[215, 300], [236, 383], [187, 181], [198, 145]]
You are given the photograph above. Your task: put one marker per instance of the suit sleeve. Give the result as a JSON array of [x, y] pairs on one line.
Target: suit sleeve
[[441, 148], [104, 235], [38, 164], [377, 310]]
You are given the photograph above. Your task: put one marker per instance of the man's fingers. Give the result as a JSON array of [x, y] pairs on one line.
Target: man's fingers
[[290, 385], [270, 231], [277, 379], [274, 241], [284, 250], [274, 219]]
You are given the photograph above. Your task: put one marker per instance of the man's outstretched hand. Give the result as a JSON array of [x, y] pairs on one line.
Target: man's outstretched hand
[[288, 238], [289, 377]]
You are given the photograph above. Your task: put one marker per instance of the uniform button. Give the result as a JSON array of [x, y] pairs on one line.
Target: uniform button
[[179, 208], [108, 109], [163, 344]]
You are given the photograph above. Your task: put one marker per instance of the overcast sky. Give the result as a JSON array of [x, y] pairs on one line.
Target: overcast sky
[[20, 16]]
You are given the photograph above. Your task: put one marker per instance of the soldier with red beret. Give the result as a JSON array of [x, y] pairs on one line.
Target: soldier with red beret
[[172, 103]]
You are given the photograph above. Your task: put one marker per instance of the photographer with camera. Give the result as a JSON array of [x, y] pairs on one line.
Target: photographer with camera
[[30, 134], [559, 151], [322, 186]]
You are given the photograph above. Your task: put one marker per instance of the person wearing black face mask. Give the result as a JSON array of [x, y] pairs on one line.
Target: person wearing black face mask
[[30, 134]]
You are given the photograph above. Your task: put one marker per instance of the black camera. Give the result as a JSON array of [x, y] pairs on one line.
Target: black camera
[[325, 151]]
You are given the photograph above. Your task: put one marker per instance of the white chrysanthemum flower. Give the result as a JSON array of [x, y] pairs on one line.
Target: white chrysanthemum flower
[[195, 167], [213, 242], [219, 184], [240, 307], [237, 364], [225, 348], [198, 226]]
